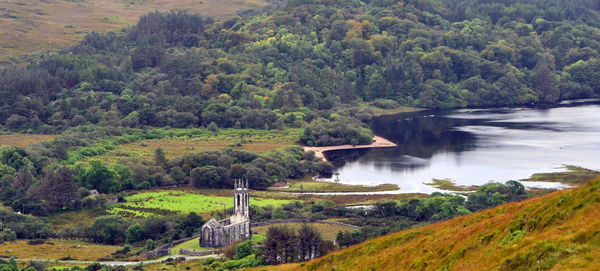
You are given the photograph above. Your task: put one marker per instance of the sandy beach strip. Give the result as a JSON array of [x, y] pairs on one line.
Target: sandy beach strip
[[378, 142]]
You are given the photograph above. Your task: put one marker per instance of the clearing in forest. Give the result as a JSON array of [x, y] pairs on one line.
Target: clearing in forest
[[238, 139], [23, 140]]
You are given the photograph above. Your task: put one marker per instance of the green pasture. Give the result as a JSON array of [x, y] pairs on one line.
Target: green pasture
[[154, 203]]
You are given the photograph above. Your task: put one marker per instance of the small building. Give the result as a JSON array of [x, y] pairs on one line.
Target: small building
[[237, 227]]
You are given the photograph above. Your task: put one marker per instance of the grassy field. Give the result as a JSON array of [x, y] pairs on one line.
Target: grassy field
[[196, 140], [79, 217], [56, 249], [316, 186], [193, 245], [558, 231], [180, 202], [327, 231], [23, 140], [37, 25]]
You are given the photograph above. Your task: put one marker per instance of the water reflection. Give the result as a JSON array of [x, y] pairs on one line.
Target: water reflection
[[475, 146]]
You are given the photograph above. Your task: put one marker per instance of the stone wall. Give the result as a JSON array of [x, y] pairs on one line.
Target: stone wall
[[197, 253], [157, 253], [165, 250], [277, 221]]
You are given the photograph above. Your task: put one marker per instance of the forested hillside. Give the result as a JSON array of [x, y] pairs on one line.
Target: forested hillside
[[309, 60], [559, 231]]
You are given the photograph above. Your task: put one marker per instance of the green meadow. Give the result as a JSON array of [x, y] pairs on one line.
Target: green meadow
[[155, 203]]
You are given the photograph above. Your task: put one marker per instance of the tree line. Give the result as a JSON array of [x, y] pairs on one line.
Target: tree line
[[31, 186]]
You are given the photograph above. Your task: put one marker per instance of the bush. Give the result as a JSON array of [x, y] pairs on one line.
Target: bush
[[8, 235], [150, 245], [243, 249], [248, 261], [108, 230]]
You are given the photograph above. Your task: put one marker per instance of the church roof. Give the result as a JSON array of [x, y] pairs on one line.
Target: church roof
[[212, 223]]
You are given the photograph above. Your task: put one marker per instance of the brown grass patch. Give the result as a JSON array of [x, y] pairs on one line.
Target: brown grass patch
[[23, 140], [174, 147], [56, 249], [36, 25]]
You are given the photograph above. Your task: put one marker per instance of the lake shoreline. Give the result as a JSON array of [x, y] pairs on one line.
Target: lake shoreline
[[378, 142]]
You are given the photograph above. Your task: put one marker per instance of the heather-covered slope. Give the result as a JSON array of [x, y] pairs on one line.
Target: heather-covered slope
[[35, 25], [560, 231]]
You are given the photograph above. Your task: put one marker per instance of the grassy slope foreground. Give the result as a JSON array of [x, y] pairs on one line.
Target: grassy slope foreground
[[559, 231], [42, 25]]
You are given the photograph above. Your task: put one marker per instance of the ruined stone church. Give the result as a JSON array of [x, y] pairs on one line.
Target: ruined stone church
[[237, 227]]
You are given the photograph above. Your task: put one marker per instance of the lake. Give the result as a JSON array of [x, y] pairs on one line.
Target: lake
[[473, 147]]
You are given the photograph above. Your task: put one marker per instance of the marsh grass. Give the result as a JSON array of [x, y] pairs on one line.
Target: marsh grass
[[573, 175], [449, 185]]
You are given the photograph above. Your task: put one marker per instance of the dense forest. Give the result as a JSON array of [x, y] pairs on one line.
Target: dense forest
[[310, 60]]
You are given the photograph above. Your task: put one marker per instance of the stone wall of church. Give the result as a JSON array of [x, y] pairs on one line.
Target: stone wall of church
[[225, 235], [237, 231]]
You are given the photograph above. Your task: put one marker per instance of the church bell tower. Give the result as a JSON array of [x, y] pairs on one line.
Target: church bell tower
[[241, 198]]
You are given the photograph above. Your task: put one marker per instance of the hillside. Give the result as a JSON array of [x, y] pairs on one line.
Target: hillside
[[309, 59], [51, 24], [559, 231]]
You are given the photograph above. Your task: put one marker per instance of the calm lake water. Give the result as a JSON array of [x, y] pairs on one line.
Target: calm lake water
[[473, 147]]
